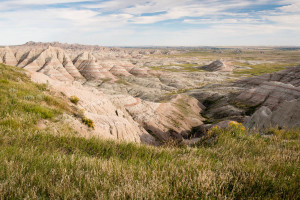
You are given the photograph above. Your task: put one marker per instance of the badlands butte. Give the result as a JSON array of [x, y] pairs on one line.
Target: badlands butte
[[157, 95]]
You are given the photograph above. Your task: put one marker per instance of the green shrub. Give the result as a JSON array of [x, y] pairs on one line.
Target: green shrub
[[85, 120], [88, 122], [234, 129], [74, 99]]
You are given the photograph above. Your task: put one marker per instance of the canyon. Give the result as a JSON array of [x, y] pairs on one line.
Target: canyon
[[157, 95]]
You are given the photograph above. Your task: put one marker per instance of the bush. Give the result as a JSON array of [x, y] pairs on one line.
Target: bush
[[233, 130], [74, 99], [236, 129], [88, 122], [85, 120]]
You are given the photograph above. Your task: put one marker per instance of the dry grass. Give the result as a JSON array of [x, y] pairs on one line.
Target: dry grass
[[37, 164]]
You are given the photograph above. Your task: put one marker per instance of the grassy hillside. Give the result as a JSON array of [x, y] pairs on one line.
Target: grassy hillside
[[41, 164]]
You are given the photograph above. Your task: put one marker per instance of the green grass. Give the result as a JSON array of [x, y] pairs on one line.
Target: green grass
[[21, 98], [264, 68], [179, 91], [287, 134], [41, 164], [122, 81], [183, 68]]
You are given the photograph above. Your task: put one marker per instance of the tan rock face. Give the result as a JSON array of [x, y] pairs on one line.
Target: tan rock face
[[131, 119], [26, 58], [138, 71], [180, 114], [119, 71], [71, 69], [51, 61], [53, 68], [110, 122], [90, 70], [7, 56]]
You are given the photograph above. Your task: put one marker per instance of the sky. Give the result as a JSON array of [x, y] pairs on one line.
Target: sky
[[152, 22]]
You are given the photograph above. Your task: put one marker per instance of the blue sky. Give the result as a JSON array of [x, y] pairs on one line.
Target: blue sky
[[151, 22]]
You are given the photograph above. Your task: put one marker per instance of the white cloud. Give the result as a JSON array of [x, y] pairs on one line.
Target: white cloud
[[293, 6], [120, 22], [18, 4], [285, 19]]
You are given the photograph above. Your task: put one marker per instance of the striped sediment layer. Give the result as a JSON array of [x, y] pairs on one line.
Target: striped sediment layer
[[119, 71], [71, 69], [90, 70], [55, 69], [57, 63]]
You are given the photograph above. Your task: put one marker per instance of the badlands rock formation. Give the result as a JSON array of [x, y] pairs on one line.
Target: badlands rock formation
[[118, 113], [111, 121], [287, 115], [119, 71], [270, 94], [288, 76], [134, 97], [60, 65], [7, 56], [127, 118], [277, 95], [218, 65], [112, 70], [138, 71]]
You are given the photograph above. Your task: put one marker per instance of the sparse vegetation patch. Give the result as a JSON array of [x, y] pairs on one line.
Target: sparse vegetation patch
[[74, 99], [259, 69]]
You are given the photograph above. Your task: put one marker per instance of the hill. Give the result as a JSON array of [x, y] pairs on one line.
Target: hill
[[56, 162]]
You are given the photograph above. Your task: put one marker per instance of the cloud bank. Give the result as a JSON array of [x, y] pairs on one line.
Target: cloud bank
[[151, 22]]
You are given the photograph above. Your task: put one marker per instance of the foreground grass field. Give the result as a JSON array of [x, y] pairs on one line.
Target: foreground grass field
[[42, 164]]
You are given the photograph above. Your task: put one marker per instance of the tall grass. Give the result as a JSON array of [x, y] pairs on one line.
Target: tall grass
[[37, 164]]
